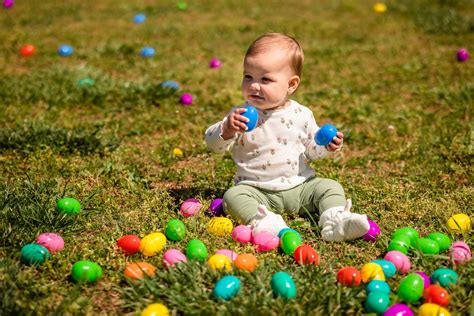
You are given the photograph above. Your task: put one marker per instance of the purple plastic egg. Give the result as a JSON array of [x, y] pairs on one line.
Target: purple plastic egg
[[51, 241], [373, 233], [228, 253], [7, 4], [215, 63], [462, 55], [186, 99], [266, 241], [398, 310], [425, 277], [172, 257], [242, 234], [460, 252], [217, 207]]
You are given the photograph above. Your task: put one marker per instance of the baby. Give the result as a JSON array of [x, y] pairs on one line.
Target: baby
[[273, 171]]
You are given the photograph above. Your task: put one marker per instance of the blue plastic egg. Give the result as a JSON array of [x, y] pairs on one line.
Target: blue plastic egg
[[34, 254], [227, 287], [377, 302], [445, 277], [147, 52], [388, 268], [283, 285], [287, 229], [252, 115], [378, 286], [139, 18], [325, 134], [65, 50], [170, 84]]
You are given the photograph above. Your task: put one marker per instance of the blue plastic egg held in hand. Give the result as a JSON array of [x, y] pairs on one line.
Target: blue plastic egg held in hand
[[252, 115], [325, 134]]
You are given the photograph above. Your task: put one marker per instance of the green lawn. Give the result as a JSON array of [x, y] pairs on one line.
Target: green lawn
[[390, 82]]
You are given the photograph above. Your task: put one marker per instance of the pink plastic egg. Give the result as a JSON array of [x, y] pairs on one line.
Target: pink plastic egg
[[401, 262], [190, 207], [266, 241], [242, 234], [186, 99], [51, 241], [460, 252], [228, 253], [172, 257]]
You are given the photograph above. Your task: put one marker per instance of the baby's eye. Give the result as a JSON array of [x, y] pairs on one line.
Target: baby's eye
[[266, 80], [247, 77]]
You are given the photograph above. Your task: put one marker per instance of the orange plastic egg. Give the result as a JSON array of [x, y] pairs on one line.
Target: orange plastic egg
[[137, 270], [246, 261]]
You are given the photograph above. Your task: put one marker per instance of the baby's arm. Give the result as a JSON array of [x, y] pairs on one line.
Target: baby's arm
[[315, 151], [220, 136]]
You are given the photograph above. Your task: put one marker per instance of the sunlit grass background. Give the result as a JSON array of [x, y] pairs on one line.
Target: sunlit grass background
[[389, 81]]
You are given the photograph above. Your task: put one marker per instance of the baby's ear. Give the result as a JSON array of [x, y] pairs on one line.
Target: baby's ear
[[293, 84]]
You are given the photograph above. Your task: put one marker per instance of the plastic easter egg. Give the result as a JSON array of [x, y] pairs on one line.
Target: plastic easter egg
[[462, 55], [196, 250], [371, 271], [170, 84], [27, 50], [215, 63], [305, 254], [377, 302], [444, 242], [147, 52], [182, 5], [86, 271], [246, 261], [34, 254], [130, 244], [373, 233], [242, 234], [175, 230], [436, 294], [69, 206], [378, 286], [138, 270], [407, 231], [289, 242], [459, 223], [460, 252], [283, 285], [227, 288], [155, 310], [266, 241], [380, 7], [287, 229], [7, 4], [401, 262], [400, 243], [325, 134], [219, 262], [398, 310], [427, 246], [177, 152], [173, 257], [252, 115], [51, 241], [186, 99], [411, 288], [65, 50], [430, 309], [86, 82], [190, 207], [349, 276], [220, 226], [425, 277], [139, 18], [228, 253], [152, 243], [217, 207], [445, 277], [388, 268]]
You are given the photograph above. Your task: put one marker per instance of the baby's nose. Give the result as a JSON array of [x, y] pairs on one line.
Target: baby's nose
[[255, 86]]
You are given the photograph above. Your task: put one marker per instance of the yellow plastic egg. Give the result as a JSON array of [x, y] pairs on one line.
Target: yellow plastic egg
[[151, 244], [220, 226], [380, 7], [177, 152], [371, 271], [219, 262], [459, 223], [155, 310], [430, 309]]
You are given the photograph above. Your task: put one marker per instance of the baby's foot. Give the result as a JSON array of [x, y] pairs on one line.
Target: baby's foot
[[266, 221]]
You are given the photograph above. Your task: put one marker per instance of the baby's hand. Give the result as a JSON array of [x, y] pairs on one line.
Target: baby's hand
[[336, 143], [235, 123]]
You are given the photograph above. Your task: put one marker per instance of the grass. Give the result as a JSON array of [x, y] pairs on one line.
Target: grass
[[389, 81]]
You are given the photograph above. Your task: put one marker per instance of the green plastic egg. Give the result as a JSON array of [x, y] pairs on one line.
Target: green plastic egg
[[69, 206], [377, 302], [283, 285], [443, 240], [290, 240], [175, 230], [406, 231], [411, 288], [427, 246], [445, 277], [34, 254], [400, 243], [196, 250], [86, 271]]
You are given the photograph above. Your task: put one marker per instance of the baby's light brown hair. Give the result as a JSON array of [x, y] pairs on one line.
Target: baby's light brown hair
[[280, 41]]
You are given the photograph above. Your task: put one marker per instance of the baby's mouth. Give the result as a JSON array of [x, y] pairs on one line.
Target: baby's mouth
[[256, 97]]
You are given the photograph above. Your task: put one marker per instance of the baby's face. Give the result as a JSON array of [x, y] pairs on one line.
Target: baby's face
[[268, 80]]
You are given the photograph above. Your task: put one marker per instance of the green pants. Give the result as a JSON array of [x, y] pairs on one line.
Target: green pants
[[313, 195]]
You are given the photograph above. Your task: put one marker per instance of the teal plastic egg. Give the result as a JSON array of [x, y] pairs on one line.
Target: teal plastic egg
[[34, 254], [196, 250], [427, 246], [175, 230], [227, 287], [407, 231], [378, 286], [400, 243], [411, 288], [283, 285], [290, 241], [388, 268], [377, 302], [445, 277], [444, 242], [69, 206], [86, 271]]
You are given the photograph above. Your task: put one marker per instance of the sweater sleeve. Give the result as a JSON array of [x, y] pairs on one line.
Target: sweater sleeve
[[314, 151], [214, 139]]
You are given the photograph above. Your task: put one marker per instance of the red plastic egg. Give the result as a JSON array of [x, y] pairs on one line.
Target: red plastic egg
[[27, 50], [130, 244], [436, 294], [349, 276], [305, 254]]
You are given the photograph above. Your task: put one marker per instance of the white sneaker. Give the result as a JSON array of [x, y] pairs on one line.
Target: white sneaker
[[339, 224], [266, 221]]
